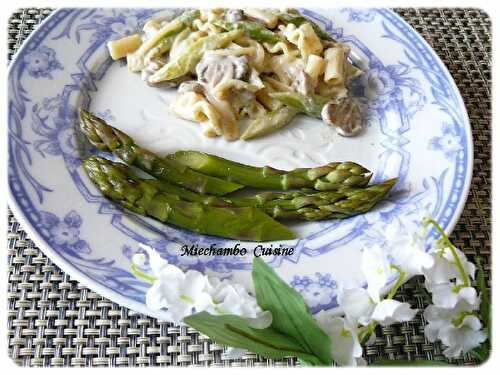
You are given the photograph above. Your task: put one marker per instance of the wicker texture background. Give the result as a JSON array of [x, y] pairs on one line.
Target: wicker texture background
[[55, 321]]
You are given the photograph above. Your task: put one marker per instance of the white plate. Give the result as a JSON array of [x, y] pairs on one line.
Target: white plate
[[417, 129]]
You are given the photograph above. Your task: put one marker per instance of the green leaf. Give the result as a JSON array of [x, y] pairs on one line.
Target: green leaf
[[407, 363], [235, 331], [291, 315], [482, 353], [484, 308]]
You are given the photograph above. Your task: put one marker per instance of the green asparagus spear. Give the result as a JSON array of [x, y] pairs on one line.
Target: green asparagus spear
[[188, 59], [326, 177], [107, 138], [309, 104], [346, 202], [161, 48], [299, 205], [312, 206], [269, 122], [297, 19], [142, 197], [135, 61], [254, 30]]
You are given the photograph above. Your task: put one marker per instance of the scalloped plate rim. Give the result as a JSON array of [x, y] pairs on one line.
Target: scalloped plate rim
[[136, 306]]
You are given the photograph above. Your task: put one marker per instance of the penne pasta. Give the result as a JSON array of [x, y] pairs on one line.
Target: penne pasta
[[315, 67], [122, 47], [304, 38], [334, 68]]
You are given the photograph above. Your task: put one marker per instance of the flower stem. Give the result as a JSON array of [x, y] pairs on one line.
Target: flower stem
[[365, 335], [450, 246], [399, 281], [142, 275], [370, 328]]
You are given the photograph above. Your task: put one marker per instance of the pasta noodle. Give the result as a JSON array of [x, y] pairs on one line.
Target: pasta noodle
[[222, 89], [334, 69], [268, 18], [122, 47], [194, 107], [207, 27], [315, 67], [304, 38], [276, 84], [286, 68], [257, 53]]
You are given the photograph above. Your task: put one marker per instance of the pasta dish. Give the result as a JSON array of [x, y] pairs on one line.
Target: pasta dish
[[244, 73]]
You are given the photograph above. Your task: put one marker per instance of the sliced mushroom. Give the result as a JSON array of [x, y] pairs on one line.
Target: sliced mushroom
[[233, 15], [213, 69], [193, 86], [303, 83], [344, 115]]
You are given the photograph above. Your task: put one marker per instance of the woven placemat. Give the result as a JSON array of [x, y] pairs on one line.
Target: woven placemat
[[55, 321]]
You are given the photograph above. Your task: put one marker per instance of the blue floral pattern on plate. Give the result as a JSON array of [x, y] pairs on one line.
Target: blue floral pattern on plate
[[449, 142], [41, 62], [77, 232], [360, 15], [319, 291]]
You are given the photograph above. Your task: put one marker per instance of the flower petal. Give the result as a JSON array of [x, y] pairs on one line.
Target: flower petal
[[443, 295], [345, 347], [469, 294], [263, 320], [138, 259], [390, 311], [156, 262], [154, 298], [375, 268], [356, 305], [462, 338], [431, 331], [441, 271]]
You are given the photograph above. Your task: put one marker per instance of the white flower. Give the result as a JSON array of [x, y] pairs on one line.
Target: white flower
[[462, 337], [346, 349], [376, 269], [439, 317], [408, 250], [448, 294], [356, 304], [390, 311], [234, 299], [445, 268], [457, 328], [359, 308], [183, 293], [156, 262], [180, 293], [362, 306]]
